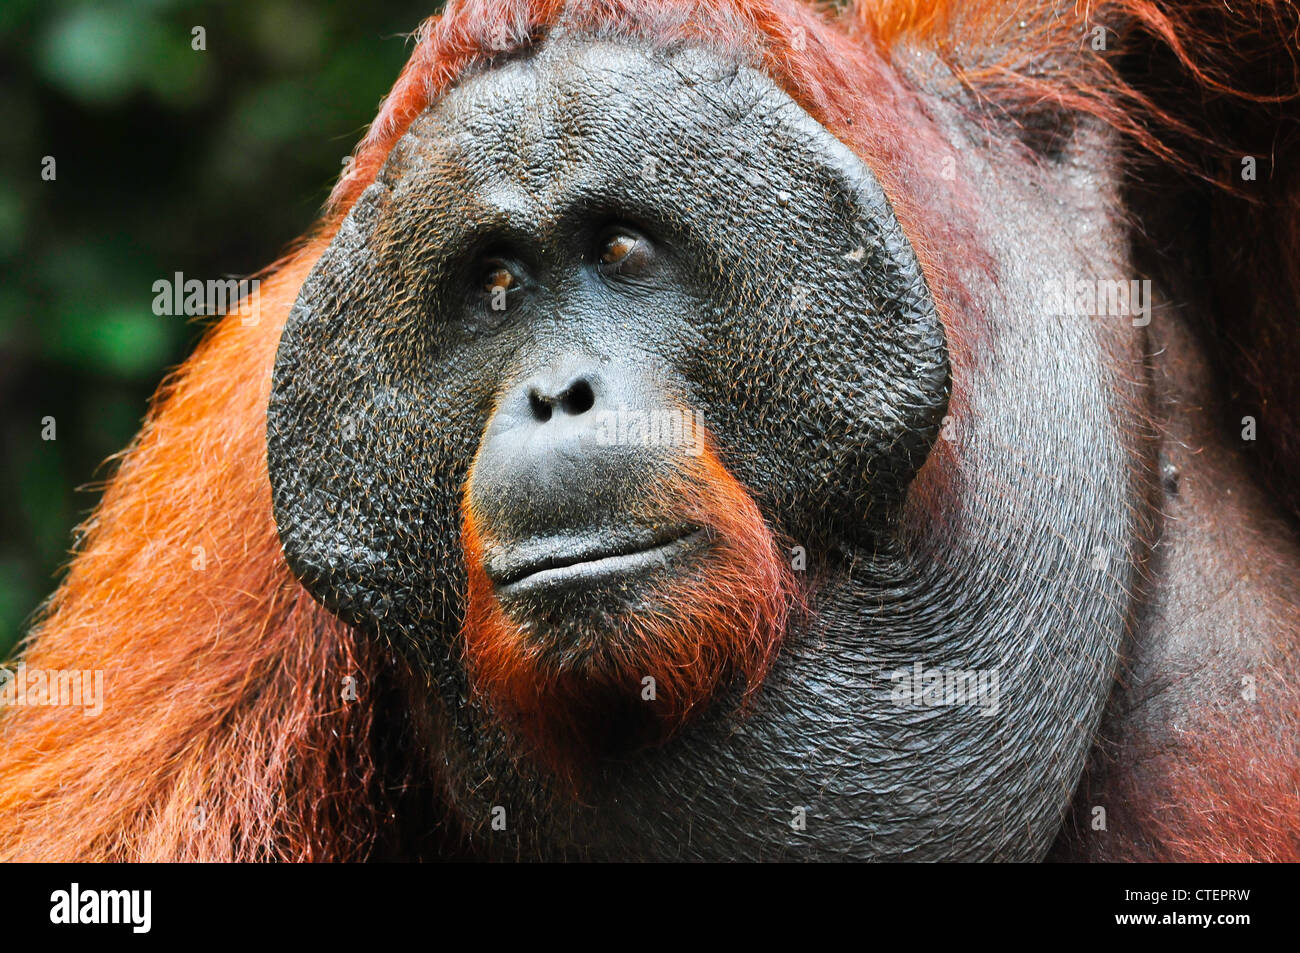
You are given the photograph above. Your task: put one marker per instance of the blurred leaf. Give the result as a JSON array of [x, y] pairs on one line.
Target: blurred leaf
[[97, 54], [289, 34], [177, 74], [125, 341], [12, 219], [15, 601]]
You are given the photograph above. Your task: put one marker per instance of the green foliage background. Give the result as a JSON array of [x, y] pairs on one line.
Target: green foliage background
[[168, 159]]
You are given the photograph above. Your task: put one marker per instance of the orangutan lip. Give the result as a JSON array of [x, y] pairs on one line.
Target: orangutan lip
[[577, 560]]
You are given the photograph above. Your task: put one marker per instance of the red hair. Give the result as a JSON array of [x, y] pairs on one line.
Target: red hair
[[727, 617], [1031, 56], [1222, 787], [226, 734]]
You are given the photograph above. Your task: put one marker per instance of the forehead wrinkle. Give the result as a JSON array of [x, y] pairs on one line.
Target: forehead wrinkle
[[530, 180], [557, 124], [536, 124]]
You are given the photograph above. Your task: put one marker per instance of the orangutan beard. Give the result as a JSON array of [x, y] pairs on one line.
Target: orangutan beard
[[630, 673]]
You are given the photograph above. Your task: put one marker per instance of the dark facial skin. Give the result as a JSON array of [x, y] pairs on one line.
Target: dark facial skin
[[671, 231]]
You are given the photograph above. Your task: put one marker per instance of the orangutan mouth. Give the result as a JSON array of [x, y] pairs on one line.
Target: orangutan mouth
[[587, 560]]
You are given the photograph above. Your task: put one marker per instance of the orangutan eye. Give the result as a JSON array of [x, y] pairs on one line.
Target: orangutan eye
[[498, 279], [625, 252], [617, 248]]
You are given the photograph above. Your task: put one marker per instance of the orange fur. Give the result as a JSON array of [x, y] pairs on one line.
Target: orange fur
[[1223, 787], [726, 618], [1018, 56], [224, 734]]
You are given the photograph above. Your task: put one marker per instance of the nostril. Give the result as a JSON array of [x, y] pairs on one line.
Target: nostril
[[578, 398], [573, 400], [540, 406]]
